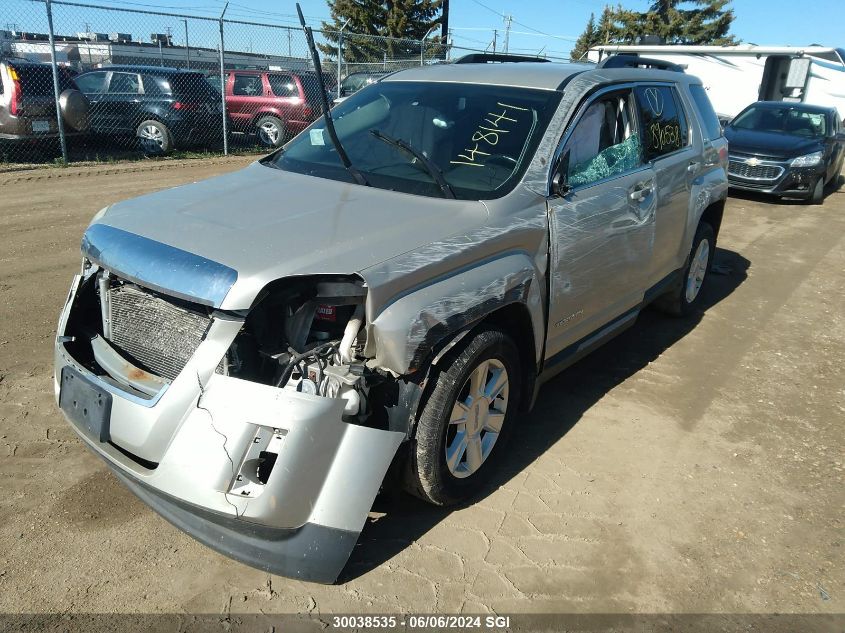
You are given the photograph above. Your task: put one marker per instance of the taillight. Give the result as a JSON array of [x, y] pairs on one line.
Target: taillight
[[14, 103], [181, 105]]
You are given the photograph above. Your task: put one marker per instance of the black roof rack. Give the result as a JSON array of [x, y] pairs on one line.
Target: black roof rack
[[488, 58], [635, 61]]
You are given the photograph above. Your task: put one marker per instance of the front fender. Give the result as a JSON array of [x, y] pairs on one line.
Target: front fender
[[406, 332]]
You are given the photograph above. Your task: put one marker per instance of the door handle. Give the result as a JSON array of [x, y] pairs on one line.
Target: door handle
[[693, 167], [641, 192]]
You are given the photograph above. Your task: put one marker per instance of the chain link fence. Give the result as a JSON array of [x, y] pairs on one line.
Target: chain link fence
[[80, 81]]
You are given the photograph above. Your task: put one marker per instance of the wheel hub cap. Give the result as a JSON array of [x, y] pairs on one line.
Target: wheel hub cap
[[477, 418], [697, 270]]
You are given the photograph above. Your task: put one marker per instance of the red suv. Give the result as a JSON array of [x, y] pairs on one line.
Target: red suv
[[274, 104]]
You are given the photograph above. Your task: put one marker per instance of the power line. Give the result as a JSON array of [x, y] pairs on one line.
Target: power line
[[525, 26]]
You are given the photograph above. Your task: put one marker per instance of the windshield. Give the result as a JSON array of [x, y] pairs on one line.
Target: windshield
[[786, 120], [480, 137]]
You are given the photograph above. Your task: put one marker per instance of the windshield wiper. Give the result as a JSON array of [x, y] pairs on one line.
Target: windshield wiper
[[327, 116], [433, 170]]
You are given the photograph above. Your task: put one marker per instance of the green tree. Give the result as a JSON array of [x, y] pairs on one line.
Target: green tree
[[679, 22], [370, 19]]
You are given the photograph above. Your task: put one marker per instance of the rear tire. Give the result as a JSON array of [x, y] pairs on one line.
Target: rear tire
[[271, 131], [466, 419], [154, 138], [685, 300]]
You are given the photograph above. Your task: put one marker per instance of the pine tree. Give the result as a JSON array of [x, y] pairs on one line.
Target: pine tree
[[680, 22], [401, 19]]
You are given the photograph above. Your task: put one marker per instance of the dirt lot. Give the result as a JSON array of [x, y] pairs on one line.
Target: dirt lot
[[692, 466]]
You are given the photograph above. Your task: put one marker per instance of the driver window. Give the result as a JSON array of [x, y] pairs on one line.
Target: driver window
[[604, 142]]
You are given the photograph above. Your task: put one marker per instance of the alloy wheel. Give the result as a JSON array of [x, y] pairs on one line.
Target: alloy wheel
[[477, 418]]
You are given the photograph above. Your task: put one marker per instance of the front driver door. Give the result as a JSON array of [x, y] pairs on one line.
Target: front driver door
[[602, 229]]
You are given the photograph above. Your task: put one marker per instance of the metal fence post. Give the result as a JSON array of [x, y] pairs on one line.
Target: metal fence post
[[59, 121], [223, 87], [339, 59]]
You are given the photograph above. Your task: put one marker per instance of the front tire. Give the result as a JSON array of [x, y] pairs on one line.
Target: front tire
[[685, 300], [817, 196], [466, 419]]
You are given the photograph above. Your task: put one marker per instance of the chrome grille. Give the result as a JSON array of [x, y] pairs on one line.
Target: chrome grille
[[161, 335], [754, 172]]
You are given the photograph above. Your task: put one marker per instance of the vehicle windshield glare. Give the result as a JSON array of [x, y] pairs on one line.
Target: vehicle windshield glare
[[481, 138], [785, 120]]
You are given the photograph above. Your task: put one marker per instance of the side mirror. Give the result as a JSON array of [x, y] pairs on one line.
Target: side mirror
[[560, 176]]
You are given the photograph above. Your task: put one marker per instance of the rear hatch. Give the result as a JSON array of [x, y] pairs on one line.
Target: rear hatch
[[195, 98], [36, 99], [311, 87]]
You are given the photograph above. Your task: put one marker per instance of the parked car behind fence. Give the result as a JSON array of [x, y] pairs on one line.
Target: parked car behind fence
[[160, 108], [27, 102], [275, 105]]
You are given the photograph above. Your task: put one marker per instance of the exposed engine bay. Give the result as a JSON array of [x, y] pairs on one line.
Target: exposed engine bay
[[306, 336]]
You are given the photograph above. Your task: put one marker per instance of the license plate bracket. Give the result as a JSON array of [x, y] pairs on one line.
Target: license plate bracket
[[88, 406], [40, 126]]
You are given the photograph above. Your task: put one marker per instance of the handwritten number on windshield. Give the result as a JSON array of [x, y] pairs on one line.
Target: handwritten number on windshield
[[487, 136]]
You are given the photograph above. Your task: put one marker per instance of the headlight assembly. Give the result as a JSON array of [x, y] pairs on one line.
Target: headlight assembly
[[808, 160]]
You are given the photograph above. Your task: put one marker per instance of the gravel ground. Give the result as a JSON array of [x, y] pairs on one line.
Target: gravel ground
[[687, 466]]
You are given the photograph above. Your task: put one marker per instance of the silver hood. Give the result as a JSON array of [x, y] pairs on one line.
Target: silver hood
[[220, 241]]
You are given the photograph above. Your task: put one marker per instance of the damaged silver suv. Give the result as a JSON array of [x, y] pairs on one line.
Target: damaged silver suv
[[249, 354]]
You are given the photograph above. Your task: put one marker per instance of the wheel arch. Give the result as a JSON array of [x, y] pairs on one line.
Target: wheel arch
[[415, 335], [713, 216]]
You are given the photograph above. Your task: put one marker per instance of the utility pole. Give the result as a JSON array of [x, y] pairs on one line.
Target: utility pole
[[495, 36], [187, 48], [444, 22], [508, 20]]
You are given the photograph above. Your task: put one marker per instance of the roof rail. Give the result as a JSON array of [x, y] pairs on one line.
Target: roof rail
[[635, 61], [487, 58]]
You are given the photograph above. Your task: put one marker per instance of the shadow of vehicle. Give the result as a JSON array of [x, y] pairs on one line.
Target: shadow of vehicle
[[562, 402]]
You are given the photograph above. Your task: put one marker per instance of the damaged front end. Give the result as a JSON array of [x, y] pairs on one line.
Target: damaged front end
[[262, 433]]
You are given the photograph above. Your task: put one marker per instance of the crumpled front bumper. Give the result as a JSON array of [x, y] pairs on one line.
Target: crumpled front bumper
[[190, 452]]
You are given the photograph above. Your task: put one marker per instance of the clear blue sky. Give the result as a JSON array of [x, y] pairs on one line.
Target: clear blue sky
[[548, 25]]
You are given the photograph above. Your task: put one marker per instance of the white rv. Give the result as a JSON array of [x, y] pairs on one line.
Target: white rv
[[736, 76]]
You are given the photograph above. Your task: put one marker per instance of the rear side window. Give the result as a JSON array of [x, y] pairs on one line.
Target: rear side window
[[664, 123], [247, 86], [709, 121], [283, 85], [92, 83], [125, 83]]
